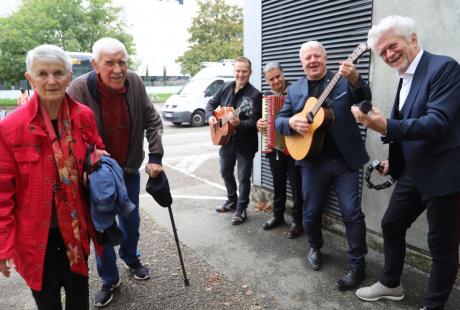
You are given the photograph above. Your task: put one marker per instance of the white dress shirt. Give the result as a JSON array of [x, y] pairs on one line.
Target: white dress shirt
[[407, 79]]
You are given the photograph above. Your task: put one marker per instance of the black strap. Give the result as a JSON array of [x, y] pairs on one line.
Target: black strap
[[375, 165]]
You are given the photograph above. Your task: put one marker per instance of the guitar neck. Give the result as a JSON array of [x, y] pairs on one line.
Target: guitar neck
[[326, 93], [355, 55]]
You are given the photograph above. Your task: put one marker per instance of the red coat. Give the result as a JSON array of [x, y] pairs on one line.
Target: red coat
[[27, 174]]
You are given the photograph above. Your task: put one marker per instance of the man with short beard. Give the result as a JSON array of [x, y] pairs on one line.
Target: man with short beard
[[243, 145]]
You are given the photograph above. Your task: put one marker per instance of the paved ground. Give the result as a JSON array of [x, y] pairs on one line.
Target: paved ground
[[230, 267]]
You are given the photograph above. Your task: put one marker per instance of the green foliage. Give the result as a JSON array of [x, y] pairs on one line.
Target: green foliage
[[73, 25], [8, 102], [216, 34], [161, 97]]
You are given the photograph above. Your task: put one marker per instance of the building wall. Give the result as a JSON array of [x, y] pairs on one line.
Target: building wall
[[438, 30], [252, 50]]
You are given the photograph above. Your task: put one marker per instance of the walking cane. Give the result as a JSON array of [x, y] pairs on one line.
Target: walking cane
[[186, 283], [158, 187]]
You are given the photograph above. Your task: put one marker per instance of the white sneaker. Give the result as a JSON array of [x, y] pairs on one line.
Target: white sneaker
[[378, 291]]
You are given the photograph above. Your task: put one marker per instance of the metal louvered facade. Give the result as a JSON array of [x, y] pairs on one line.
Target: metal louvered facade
[[340, 25]]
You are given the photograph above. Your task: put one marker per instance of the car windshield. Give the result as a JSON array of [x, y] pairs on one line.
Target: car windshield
[[194, 87]]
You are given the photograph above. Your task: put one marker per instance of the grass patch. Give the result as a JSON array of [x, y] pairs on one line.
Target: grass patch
[[160, 97], [8, 102]]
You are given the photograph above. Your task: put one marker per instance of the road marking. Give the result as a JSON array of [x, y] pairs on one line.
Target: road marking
[[192, 162], [194, 157], [191, 197], [216, 185]]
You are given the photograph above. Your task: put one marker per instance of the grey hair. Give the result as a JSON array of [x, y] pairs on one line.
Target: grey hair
[[400, 25], [109, 46], [271, 66], [311, 44], [48, 52]]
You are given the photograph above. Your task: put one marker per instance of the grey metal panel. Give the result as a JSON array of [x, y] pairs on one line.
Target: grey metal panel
[[340, 25]]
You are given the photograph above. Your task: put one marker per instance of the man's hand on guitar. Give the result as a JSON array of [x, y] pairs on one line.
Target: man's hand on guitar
[[234, 120], [261, 125], [212, 121], [374, 120], [299, 124], [348, 70]]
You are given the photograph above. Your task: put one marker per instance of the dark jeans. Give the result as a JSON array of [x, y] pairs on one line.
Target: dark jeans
[[443, 215], [317, 178], [57, 274], [107, 264], [229, 156], [283, 168]]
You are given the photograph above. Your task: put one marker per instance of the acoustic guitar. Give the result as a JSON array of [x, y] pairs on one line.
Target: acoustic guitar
[[320, 117], [223, 130]]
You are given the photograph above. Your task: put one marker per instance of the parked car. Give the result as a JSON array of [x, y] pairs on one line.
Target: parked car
[[189, 104]]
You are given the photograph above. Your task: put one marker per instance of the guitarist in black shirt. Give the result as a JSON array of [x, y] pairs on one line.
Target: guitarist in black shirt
[[241, 146]]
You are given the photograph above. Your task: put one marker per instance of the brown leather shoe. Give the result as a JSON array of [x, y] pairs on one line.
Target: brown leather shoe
[[296, 230]]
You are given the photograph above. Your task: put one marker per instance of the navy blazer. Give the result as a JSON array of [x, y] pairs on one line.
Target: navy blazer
[[427, 139], [345, 130]]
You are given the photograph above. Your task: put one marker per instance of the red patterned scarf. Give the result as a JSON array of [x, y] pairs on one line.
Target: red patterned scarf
[[71, 218]]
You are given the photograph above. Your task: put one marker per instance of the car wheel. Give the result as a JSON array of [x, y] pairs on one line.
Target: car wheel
[[177, 123], [197, 119]]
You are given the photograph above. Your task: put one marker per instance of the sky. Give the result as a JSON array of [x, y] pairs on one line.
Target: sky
[[159, 28]]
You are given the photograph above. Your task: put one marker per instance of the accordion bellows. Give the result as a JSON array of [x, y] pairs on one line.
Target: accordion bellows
[[271, 106]]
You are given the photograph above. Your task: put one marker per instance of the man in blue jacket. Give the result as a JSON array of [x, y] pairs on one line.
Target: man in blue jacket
[[338, 163], [423, 133]]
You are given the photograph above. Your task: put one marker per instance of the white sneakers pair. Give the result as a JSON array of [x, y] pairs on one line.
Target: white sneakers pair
[[379, 291]]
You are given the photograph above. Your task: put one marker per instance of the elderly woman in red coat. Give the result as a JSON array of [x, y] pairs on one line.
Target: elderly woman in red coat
[[45, 224]]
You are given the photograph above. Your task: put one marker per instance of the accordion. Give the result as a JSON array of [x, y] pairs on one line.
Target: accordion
[[271, 105]]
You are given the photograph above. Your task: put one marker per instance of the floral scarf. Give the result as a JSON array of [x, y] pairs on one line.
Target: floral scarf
[[71, 218]]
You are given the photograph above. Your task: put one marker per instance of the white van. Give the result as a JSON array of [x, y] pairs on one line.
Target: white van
[[189, 104]]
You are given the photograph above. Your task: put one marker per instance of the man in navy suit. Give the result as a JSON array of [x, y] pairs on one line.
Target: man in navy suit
[[423, 133], [340, 158]]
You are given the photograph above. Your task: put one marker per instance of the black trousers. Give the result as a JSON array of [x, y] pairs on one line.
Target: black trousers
[[57, 274], [283, 168], [229, 157], [443, 215]]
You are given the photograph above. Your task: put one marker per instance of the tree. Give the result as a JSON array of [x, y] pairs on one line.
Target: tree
[[216, 34], [73, 25]]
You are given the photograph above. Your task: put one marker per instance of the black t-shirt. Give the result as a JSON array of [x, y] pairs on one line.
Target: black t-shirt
[[329, 149]]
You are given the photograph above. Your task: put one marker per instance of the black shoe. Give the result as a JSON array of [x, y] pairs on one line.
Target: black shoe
[[314, 259], [296, 230], [273, 222], [239, 217], [105, 295], [140, 271], [227, 206], [351, 279]]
